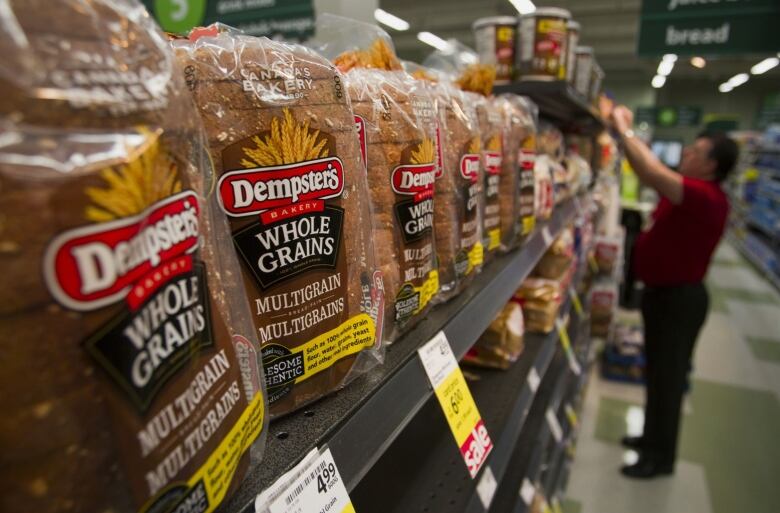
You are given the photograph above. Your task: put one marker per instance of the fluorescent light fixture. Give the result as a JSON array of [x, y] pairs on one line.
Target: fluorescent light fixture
[[669, 57], [665, 67], [765, 65], [435, 41], [392, 21], [738, 80], [698, 62], [523, 6], [658, 81], [725, 87]]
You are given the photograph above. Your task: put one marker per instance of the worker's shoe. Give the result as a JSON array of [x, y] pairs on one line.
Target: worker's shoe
[[647, 468]]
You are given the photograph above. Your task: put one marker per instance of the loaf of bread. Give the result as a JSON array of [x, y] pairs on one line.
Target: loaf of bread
[[282, 138], [131, 380], [396, 116], [502, 342], [459, 186], [491, 124]]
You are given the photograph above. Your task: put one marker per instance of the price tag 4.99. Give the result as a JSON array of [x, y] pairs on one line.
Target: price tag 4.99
[[456, 401]]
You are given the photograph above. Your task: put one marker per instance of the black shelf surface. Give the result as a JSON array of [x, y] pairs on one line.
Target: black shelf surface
[[559, 101], [423, 470], [361, 421]]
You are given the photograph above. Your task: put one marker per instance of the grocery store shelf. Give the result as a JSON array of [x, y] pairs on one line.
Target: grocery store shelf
[[361, 421], [759, 264], [559, 101]]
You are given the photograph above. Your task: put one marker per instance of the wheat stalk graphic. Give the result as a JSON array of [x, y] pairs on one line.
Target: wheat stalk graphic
[[287, 142], [425, 153]]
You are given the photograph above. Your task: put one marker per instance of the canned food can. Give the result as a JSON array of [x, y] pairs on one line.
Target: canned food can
[[495, 38]]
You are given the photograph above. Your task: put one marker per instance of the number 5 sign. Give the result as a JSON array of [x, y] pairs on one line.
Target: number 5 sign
[[456, 401]]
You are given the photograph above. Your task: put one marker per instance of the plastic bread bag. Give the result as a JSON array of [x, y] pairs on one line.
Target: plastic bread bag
[[558, 257], [540, 299], [130, 363], [544, 199], [396, 118], [502, 342], [291, 181]]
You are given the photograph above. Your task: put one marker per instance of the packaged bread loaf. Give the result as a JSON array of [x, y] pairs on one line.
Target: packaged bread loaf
[[502, 342], [457, 214], [129, 362], [491, 125], [282, 138], [516, 182], [396, 119]]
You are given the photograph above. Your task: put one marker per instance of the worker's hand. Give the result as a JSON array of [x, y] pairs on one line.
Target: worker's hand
[[622, 118]]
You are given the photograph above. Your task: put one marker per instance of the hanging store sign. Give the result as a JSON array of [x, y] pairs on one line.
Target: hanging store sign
[[286, 19], [708, 27], [684, 115]]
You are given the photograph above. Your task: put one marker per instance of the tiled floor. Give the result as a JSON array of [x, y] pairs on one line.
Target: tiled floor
[[729, 448]]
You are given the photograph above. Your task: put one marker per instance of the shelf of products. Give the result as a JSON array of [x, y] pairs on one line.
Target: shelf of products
[[360, 422], [438, 480], [558, 101]]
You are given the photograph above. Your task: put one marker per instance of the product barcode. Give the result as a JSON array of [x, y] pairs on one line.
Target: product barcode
[[298, 489]]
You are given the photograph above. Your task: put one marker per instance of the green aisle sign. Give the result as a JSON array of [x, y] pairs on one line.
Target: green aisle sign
[[669, 116], [708, 27], [288, 19]]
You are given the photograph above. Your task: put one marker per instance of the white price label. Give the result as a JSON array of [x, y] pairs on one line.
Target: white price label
[[555, 426], [527, 491], [486, 488], [273, 491], [533, 379], [574, 365], [547, 236], [318, 488], [438, 359]]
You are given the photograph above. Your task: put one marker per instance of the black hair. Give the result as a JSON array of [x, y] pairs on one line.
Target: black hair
[[724, 152]]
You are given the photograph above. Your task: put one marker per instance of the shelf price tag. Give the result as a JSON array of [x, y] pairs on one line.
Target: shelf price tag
[[316, 487], [456, 401], [594, 266], [563, 336], [575, 301], [486, 488], [571, 415], [555, 426], [533, 379], [556, 505], [527, 491], [547, 236]]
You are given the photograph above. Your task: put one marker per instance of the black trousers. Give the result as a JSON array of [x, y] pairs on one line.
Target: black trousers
[[673, 317]]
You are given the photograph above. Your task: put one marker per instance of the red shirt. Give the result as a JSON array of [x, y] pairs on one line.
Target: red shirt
[[677, 248]]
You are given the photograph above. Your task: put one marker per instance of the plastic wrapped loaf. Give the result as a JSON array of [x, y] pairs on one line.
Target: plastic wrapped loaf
[[491, 125], [516, 182], [130, 367], [459, 187], [282, 138], [396, 119], [502, 342]]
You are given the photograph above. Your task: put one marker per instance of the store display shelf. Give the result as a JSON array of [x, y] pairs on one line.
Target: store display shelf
[[757, 262], [361, 421], [435, 477], [558, 100], [529, 456]]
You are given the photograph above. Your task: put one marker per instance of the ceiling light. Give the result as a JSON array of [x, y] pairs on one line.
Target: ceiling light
[[658, 81], [523, 6], [725, 87], [435, 41], [765, 65], [394, 22], [698, 62], [665, 67], [670, 57], [738, 80]]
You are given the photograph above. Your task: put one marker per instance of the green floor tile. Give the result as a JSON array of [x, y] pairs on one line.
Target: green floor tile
[[571, 506], [717, 300], [611, 419], [765, 349], [728, 263], [744, 295]]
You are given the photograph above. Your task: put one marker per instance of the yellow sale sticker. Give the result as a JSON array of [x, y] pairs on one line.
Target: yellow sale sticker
[[456, 402]]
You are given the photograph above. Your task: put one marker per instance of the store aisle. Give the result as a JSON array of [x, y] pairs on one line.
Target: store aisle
[[729, 455]]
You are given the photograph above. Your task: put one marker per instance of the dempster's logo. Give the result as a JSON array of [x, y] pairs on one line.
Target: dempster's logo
[[492, 162], [413, 179], [94, 266], [247, 192], [469, 166]]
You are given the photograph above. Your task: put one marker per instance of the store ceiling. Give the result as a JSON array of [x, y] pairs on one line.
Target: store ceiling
[[610, 26]]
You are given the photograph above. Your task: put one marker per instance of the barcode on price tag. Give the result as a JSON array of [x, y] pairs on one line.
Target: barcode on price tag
[[547, 236], [486, 488], [555, 426], [527, 491], [533, 379], [318, 488], [456, 402]]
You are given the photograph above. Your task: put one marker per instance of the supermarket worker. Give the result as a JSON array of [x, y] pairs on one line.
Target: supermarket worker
[[671, 258]]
